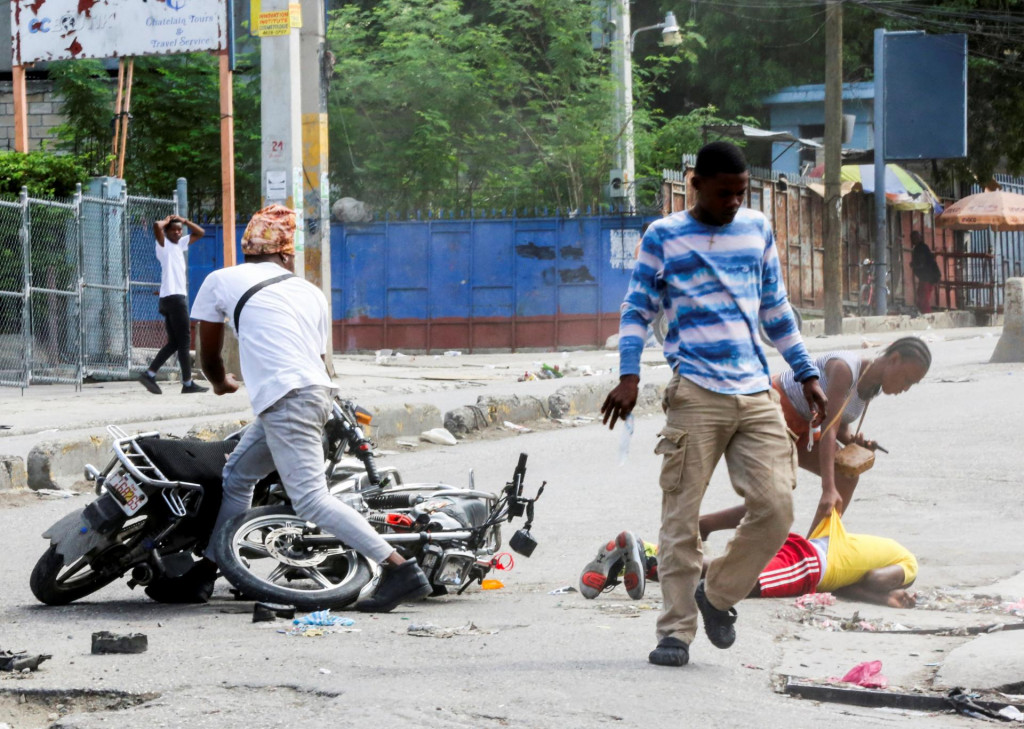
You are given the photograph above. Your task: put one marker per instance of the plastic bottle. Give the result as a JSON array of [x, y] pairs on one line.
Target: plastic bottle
[[624, 438], [815, 433]]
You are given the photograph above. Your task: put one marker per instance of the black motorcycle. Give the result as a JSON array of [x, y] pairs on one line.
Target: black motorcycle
[[158, 499]]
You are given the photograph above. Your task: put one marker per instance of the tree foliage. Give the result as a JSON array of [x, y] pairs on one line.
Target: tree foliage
[[45, 175]]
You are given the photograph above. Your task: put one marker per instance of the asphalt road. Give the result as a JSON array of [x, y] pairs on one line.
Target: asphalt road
[[949, 490]]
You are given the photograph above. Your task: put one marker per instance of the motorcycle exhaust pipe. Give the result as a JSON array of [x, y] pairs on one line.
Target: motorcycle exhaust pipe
[[142, 574]]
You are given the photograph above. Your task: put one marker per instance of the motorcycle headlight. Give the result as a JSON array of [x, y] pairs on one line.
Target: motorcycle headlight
[[455, 566]]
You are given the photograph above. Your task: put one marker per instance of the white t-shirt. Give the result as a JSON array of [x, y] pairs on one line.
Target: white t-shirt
[[284, 325], [173, 281]]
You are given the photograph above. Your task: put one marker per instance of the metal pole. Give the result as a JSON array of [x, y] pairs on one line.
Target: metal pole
[[26, 285], [126, 268], [316, 186], [80, 283], [833, 283], [881, 228]]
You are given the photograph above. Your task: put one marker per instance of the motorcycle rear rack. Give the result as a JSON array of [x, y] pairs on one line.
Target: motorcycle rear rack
[[141, 467]]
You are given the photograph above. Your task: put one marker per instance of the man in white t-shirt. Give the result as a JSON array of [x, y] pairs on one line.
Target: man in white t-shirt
[[282, 340], [171, 244]]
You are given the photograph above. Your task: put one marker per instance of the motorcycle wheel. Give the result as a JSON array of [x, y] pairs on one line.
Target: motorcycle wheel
[[764, 334], [54, 583], [254, 552]]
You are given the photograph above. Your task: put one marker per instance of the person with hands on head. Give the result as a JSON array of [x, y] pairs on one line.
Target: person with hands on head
[[282, 342], [171, 245], [850, 381], [715, 271]]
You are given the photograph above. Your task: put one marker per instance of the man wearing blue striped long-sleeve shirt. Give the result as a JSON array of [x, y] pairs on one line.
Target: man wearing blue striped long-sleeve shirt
[[715, 272]]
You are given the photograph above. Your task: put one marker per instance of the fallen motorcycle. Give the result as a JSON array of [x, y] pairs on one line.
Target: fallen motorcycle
[[158, 499]]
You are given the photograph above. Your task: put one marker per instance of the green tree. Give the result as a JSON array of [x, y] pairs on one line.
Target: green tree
[[86, 91]]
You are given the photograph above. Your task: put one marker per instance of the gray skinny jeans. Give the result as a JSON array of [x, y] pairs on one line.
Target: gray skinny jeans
[[288, 436]]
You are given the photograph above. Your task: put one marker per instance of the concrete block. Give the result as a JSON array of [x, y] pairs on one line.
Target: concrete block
[[1010, 347], [40, 107], [407, 421], [513, 408], [12, 473], [993, 661], [467, 419], [215, 431], [59, 464], [106, 642], [577, 400]]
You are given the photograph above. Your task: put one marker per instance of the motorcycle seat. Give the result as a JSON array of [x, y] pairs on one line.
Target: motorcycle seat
[[188, 459]]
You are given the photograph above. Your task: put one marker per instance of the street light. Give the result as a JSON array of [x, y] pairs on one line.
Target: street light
[[670, 33], [622, 177]]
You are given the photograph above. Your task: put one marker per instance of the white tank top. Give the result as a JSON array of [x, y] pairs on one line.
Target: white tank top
[[795, 391]]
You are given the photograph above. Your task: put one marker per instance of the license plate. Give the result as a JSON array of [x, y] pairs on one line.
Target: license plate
[[128, 494]]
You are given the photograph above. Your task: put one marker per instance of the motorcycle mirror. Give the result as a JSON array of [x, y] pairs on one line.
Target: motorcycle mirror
[[91, 472]]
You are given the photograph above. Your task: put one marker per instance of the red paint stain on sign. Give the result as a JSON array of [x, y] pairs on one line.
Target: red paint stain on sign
[[85, 6], [75, 48], [36, 5]]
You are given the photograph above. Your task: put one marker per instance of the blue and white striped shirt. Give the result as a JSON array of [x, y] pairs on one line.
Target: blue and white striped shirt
[[714, 283]]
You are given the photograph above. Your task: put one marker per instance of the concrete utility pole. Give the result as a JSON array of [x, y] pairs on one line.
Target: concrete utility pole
[[280, 119], [833, 273], [316, 186], [622, 72]]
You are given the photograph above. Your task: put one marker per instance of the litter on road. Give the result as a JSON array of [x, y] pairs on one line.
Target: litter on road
[[20, 661], [427, 630]]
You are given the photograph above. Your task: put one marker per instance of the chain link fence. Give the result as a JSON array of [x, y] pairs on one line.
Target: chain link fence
[[78, 285]]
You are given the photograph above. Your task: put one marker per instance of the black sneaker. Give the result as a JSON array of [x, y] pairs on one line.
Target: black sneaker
[[150, 384], [718, 624], [185, 389], [404, 583], [195, 586], [670, 652]]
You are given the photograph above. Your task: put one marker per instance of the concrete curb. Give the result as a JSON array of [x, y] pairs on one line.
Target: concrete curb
[[59, 464], [1010, 347], [874, 324], [13, 476]]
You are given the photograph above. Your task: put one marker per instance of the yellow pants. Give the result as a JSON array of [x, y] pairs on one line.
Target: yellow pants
[[851, 556]]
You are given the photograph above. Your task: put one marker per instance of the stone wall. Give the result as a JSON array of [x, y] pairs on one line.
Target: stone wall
[[44, 113]]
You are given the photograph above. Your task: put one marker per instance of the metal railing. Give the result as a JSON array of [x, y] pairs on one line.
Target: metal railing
[[76, 285]]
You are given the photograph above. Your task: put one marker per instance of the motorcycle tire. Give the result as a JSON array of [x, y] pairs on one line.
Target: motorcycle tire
[[50, 590], [244, 563], [764, 334]]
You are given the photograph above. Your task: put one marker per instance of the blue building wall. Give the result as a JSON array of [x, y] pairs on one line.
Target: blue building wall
[[797, 106], [495, 283]]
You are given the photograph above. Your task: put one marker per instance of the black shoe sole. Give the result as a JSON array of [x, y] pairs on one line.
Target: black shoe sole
[[712, 618], [669, 657], [150, 385]]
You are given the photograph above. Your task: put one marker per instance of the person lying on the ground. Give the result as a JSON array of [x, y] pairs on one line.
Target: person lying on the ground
[[850, 382], [858, 567]]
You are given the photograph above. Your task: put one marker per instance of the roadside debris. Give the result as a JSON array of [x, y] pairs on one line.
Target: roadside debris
[[427, 630], [867, 675], [1012, 713], [440, 436], [517, 428], [563, 590], [816, 599], [55, 493], [323, 618], [105, 642], [20, 661], [408, 444]]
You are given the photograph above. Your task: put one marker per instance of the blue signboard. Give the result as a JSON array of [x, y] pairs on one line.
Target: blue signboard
[[925, 80]]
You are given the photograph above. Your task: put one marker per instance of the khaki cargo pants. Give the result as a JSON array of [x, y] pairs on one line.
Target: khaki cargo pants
[[750, 431]]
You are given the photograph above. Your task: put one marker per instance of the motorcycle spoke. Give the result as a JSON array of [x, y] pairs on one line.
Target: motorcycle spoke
[[278, 572], [257, 549], [318, 577]]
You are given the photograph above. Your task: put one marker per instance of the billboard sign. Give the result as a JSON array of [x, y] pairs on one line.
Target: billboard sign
[[925, 93], [53, 30]]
